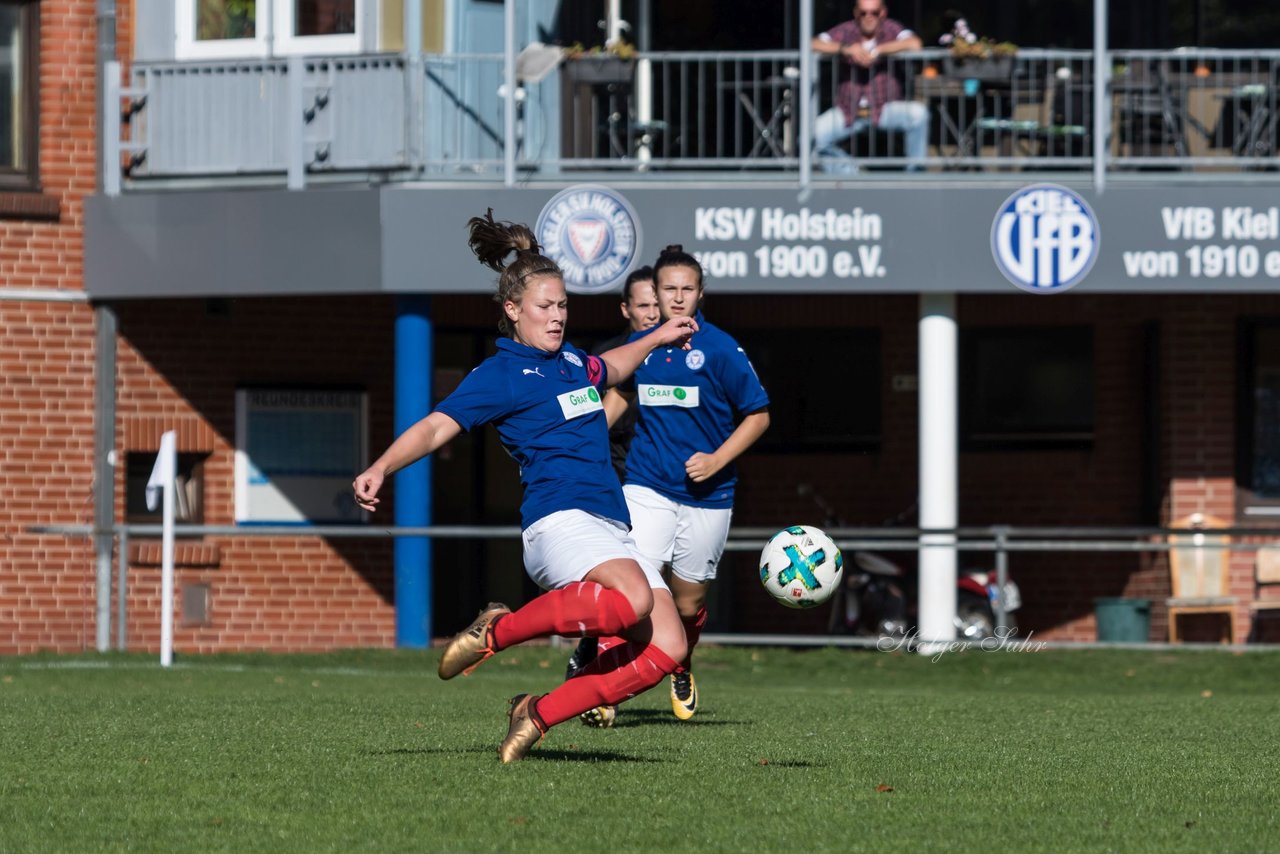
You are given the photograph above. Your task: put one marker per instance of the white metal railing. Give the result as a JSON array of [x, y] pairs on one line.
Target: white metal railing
[[714, 112], [999, 540]]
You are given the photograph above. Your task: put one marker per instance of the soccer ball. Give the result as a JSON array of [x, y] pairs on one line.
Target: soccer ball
[[801, 567]]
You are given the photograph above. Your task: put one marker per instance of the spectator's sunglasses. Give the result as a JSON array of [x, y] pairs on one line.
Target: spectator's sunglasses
[[863, 13]]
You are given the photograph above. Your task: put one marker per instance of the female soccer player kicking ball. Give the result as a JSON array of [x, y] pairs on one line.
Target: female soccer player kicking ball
[[543, 395]]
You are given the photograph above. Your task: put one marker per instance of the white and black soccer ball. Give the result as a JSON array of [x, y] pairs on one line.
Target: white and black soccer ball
[[801, 566]]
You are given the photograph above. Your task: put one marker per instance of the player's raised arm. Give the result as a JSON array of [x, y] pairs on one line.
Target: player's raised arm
[[622, 361], [426, 437]]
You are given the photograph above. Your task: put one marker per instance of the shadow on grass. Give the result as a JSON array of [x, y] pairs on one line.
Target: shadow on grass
[[662, 717], [548, 754], [791, 763], [423, 751]]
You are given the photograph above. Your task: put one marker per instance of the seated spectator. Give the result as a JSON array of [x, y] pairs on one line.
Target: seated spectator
[[871, 97]]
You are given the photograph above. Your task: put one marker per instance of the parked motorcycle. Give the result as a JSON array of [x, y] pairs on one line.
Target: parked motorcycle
[[879, 596]]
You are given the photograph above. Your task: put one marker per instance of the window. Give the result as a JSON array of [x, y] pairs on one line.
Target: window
[[297, 451], [188, 488], [18, 95], [229, 28], [824, 388], [1258, 469], [1026, 387], [221, 28]]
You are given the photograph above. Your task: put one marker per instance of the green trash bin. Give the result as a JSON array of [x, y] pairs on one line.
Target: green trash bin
[[1123, 620]]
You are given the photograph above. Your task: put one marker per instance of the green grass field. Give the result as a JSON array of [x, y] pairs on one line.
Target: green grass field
[[792, 751]]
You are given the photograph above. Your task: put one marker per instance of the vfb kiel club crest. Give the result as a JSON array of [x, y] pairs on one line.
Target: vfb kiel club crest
[[593, 234], [1045, 239]]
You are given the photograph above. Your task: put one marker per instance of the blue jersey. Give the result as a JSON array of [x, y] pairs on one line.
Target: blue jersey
[[547, 409], [690, 401]]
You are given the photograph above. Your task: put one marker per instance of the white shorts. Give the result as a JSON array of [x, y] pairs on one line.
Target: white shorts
[[563, 547], [691, 539]]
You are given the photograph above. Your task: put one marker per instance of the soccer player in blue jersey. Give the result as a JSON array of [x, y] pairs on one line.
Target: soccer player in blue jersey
[[543, 396], [700, 409]]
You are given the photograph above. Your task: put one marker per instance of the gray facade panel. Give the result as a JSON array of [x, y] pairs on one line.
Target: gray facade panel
[[249, 243], [904, 239]]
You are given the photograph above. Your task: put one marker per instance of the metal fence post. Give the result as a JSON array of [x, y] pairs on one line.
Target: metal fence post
[[509, 95], [808, 96], [1002, 575], [111, 129], [122, 588], [297, 174], [1101, 109], [415, 131]]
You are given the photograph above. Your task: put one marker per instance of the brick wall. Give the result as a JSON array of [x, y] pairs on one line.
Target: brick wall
[[46, 357], [180, 364]]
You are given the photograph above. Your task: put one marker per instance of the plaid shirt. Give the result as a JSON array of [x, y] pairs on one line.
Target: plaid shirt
[[870, 87]]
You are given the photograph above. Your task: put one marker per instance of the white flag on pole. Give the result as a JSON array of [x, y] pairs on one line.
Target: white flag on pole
[[160, 488], [164, 470]]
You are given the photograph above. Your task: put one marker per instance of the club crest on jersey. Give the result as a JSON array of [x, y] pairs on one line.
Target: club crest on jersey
[[593, 234], [694, 359], [572, 358], [1045, 239]]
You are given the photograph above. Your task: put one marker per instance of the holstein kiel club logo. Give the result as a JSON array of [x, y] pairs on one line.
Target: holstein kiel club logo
[[593, 234], [1045, 239]]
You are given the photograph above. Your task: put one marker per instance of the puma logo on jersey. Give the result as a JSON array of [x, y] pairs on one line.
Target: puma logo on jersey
[[537, 371]]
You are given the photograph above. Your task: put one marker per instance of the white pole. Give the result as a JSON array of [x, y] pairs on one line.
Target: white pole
[[111, 129], [296, 168], [415, 80], [1101, 112], [806, 103], [509, 94], [612, 22], [938, 469], [162, 479]]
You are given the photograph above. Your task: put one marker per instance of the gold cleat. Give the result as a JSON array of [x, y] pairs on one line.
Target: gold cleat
[[472, 645], [601, 717], [524, 732], [684, 694]]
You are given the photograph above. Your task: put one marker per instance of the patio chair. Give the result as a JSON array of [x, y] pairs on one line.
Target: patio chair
[[1198, 566], [1266, 589]]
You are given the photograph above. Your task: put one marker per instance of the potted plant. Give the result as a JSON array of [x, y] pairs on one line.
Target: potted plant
[[614, 63], [977, 58]]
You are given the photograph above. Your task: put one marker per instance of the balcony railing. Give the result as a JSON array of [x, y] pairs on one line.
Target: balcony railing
[[721, 114]]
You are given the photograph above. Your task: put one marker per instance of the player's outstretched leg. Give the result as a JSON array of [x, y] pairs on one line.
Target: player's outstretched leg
[[472, 645], [583, 607], [684, 689], [525, 730], [583, 654], [600, 717], [618, 673]]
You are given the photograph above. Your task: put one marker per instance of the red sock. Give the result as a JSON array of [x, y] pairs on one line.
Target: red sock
[[608, 642], [616, 675], [692, 631], [581, 608]]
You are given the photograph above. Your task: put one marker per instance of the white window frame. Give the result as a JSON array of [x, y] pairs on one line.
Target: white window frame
[[187, 46], [288, 44], [274, 24]]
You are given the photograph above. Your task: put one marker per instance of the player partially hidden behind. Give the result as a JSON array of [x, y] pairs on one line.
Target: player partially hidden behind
[[543, 396], [640, 310], [699, 411]]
